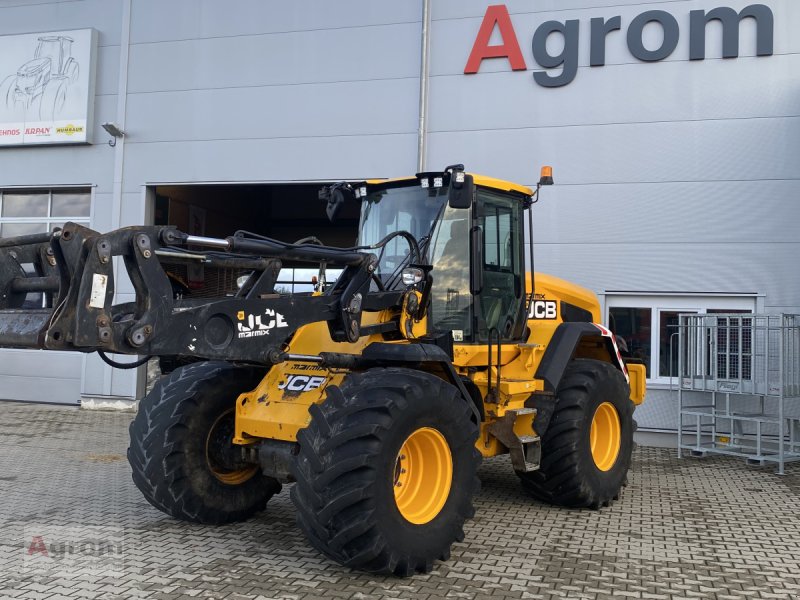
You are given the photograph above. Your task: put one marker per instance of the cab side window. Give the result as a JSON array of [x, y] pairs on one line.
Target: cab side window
[[451, 300]]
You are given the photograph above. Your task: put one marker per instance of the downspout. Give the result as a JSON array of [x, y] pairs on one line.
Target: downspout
[[122, 100], [422, 141], [119, 154]]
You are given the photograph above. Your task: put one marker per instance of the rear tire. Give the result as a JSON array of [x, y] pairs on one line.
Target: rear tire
[[179, 451], [377, 432], [586, 449]]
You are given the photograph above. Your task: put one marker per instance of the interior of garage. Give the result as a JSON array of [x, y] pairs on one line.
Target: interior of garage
[[287, 212]]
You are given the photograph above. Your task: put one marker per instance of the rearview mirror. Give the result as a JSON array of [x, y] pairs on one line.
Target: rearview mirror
[[462, 188], [336, 195]]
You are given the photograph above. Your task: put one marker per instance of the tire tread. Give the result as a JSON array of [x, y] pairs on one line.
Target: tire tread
[[158, 432]]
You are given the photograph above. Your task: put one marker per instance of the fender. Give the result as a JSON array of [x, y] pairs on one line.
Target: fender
[[429, 357], [561, 350]]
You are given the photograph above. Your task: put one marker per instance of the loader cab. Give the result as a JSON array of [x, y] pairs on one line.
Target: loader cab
[[478, 269], [477, 252]]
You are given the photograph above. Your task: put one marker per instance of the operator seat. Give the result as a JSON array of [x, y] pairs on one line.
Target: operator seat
[[492, 311]]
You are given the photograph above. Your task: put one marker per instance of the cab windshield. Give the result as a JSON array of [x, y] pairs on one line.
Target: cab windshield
[[442, 233], [413, 209]]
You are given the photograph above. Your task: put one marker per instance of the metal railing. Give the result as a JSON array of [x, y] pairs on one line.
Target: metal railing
[[739, 386]]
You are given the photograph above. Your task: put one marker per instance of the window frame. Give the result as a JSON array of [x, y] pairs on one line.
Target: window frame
[[517, 259], [49, 220], [677, 302]]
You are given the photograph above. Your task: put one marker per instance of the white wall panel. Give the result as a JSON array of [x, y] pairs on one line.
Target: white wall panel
[[377, 52], [332, 109], [682, 267], [729, 150], [103, 15], [102, 210], [195, 19], [37, 376], [465, 9], [291, 159], [106, 78], [680, 213], [629, 93]]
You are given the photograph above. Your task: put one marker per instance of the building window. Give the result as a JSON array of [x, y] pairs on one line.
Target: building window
[[649, 325], [24, 212]]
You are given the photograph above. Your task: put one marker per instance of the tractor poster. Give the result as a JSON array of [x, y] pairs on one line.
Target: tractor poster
[[46, 87]]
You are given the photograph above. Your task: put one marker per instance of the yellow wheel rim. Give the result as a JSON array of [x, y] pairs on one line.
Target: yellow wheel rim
[[235, 477], [605, 436], [423, 475], [223, 428]]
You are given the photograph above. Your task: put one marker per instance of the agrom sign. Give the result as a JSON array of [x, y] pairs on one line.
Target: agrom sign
[[561, 68], [46, 87]]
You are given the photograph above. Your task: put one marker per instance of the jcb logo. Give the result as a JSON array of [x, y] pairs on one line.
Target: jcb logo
[[258, 325], [301, 383], [543, 309]]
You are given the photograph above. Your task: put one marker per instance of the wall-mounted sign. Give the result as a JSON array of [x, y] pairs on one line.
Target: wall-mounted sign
[[47, 87], [565, 63]]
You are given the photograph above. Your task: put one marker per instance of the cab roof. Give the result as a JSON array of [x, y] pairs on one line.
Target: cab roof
[[482, 180], [501, 184]]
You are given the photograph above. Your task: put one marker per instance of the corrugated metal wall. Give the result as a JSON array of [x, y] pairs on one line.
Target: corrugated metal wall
[[676, 175]]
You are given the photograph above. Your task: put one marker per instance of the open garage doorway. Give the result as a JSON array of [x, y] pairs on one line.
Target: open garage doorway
[[287, 212]]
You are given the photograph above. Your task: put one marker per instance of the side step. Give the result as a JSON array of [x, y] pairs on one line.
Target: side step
[[525, 450]]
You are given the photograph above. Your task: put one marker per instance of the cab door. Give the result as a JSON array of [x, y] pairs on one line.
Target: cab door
[[500, 301]]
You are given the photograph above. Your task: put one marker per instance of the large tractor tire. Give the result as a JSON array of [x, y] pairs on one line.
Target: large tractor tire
[[386, 471], [181, 453], [586, 449]]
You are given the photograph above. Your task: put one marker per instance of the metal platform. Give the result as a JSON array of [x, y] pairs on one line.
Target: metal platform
[[739, 386]]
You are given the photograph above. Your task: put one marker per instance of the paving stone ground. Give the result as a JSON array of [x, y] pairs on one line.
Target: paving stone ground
[[691, 528]]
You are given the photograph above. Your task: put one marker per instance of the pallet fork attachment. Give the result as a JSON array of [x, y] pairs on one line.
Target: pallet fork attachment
[[74, 269]]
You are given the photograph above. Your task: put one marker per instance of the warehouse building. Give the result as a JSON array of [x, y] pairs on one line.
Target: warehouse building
[[673, 128]]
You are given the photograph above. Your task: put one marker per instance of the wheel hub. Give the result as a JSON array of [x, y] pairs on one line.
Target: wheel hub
[[605, 437], [223, 457], [423, 475]]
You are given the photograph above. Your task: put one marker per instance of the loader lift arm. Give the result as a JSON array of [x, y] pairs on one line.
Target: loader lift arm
[[73, 267]]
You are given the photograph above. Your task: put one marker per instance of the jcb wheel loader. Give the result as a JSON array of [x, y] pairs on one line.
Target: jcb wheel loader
[[376, 395]]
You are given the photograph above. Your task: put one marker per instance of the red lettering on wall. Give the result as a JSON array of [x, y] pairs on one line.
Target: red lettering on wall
[[496, 15]]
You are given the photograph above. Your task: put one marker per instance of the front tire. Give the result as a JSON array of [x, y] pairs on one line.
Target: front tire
[[386, 471], [586, 449], [180, 451]]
